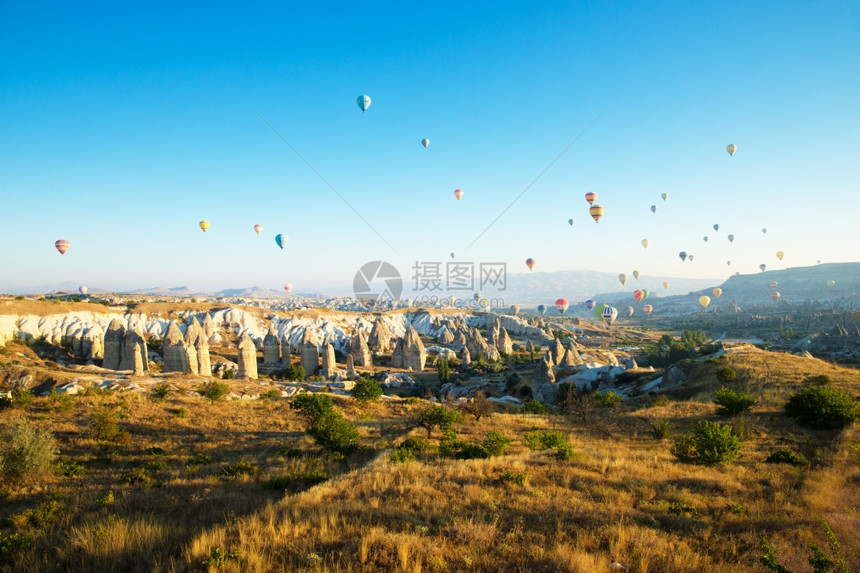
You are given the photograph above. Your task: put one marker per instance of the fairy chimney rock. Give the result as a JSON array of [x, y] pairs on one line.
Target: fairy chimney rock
[[247, 358], [380, 336], [113, 344], [175, 357], [272, 348], [310, 358], [358, 349]]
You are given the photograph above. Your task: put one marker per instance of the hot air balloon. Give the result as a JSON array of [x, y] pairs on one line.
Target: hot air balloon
[[630, 311], [288, 287], [645, 293], [683, 255], [282, 240], [452, 255], [62, 245], [731, 148], [622, 278], [638, 295], [653, 208], [831, 283], [598, 310], [591, 197], [705, 238], [773, 285], [718, 292], [458, 193], [690, 258], [570, 222], [728, 263], [644, 243], [779, 255], [764, 231], [665, 284], [762, 267], [774, 296], [541, 309], [530, 263], [596, 212], [704, 301], [636, 275], [204, 224], [477, 296], [610, 313], [664, 196], [647, 309], [363, 102], [716, 227], [561, 305], [83, 290], [589, 304], [258, 228], [731, 238], [515, 309], [425, 142]]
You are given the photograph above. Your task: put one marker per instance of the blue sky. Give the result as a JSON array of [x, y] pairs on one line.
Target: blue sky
[[122, 127]]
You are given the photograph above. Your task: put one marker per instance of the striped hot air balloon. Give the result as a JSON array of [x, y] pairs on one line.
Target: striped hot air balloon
[[62, 245], [204, 224], [596, 212], [647, 309], [561, 305], [458, 193], [731, 148], [530, 263], [258, 228], [363, 102], [591, 197], [718, 292]]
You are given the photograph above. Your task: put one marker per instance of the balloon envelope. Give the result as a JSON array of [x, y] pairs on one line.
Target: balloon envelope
[[647, 309], [591, 197], [452, 255], [638, 295], [288, 287], [204, 224], [636, 275], [717, 292], [530, 263], [779, 255], [731, 238], [773, 285], [706, 238], [831, 283], [83, 289], [704, 301], [458, 193], [596, 212], [282, 240], [258, 228], [589, 304], [664, 196], [690, 258], [716, 227], [425, 142], [363, 102], [598, 310], [630, 311], [764, 231], [610, 313], [561, 305], [541, 308], [683, 255], [665, 284], [731, 148], [653, 208], [62, 245], [762, 267], [570, 222], [645, 243], [515, 309], [622, 278], [774, 296]]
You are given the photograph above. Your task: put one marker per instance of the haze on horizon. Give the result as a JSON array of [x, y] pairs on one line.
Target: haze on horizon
[[122, 130]]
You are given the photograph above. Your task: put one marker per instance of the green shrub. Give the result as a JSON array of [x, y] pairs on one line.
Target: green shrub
[[366, 389], [609, 399], [26, 452], [786, 456], [678, 508], [726, 374], [544, 439], [820, 380], [104, 424], [229, 374], [660, 400], [534, 407], [218, 558], [822, 407], [240, 468], [22, 399], [270, 394], [334, 433], [564, 452], [181, 413], [732, 403], [402, 456], [62, 402], [297, 479], [434, 415], [443, 370], [509, 476], [711, 443], [496, 443], [294, 372], [162, 390], [660, 429], [415, 444], [214, 390], [70, 468]]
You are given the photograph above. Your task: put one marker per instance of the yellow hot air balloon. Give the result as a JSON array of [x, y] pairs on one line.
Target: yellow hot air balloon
[[665, 284], [717, 292], [645, 243], [204, 224], [779, 255], [704, 301], [731, 148], [596, 212]]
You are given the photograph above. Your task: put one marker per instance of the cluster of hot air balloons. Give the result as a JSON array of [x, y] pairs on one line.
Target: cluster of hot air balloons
[[596, 211]]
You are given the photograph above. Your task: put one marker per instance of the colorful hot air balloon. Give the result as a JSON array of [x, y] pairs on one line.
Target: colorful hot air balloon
[[731, 148], [779, 255], [831, 283], [644, 243], [638, 295], [764, 231], [610, 313], [425, 142], [728, 263], [774, 296], [731, 238], [716, 227], [541, 309], [452, 255], [363, 102], [664, 196], [704, 301], [690, 258], [258, 228], [647, 309], [589, 304], [636, 275], [83, 290], [596, 212], [773, 285], [622, 278], [653, 208], [718, 292], [204, 224], [62, 245], [282, 240], [570, 222], [683, 255], [645, 293], [591, 197], [762, 267], [630, 311], [530, 263], [665, 284], [561, 305], [288, 287], [458, 193], [706, 238], [598, 310], [514, 309]]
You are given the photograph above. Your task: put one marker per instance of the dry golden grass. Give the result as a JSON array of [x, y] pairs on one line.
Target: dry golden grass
[[623, 496]]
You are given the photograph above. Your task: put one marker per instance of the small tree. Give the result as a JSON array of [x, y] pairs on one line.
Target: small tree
[[327, 426], [435, 415], [443, 370], [732, 403], [26, 452], [822, 407], [366, 389], [214, 390], [711, 443], [478, 406], [534, 407]]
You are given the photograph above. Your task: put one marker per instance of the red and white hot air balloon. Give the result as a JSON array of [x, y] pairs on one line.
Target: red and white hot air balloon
[[591, 197], [62, 245], [288, 287], [458, 193], [530, 263], [258, 228], [561, 305]]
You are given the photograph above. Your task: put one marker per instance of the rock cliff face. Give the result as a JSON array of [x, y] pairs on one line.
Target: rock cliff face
[[247, 358], [380, 336], [310, 358], [350, 367], [272, 349], [93, 343], [134, 356], [409, 352], [113, 344], [359, 350], [504, 343], [174, 354]]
